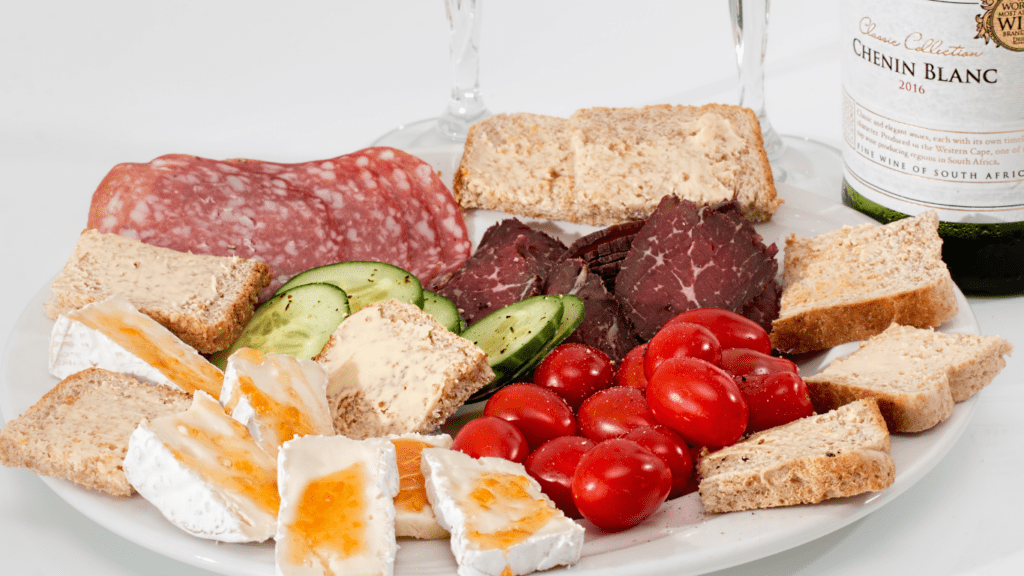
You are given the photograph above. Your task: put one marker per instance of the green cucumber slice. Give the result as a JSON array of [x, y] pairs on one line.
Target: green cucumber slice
[[296, 322], [572, 316], [513, 335], [364, 282], [443, 310]]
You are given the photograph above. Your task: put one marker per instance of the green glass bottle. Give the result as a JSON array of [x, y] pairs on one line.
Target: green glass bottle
[[933, 119]]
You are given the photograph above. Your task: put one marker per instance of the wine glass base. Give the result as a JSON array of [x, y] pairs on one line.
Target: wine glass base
[[420, 134], [809, 165]]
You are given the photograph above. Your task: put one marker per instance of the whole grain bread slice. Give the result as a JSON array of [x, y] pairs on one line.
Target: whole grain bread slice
[[915, 374], [852, 283], [607, 166], [204, 300], [833, 455], [79, 430]]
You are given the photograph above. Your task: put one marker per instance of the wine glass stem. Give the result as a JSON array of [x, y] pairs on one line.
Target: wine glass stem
[[466, 105], [750, 36]]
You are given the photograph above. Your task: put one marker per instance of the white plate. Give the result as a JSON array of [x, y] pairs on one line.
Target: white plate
[[680, 539]]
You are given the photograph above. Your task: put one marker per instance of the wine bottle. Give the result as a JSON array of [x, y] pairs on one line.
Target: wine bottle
[[933, 119]]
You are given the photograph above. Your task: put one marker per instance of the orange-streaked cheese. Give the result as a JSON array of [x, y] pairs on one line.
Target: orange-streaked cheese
[[414, 517]]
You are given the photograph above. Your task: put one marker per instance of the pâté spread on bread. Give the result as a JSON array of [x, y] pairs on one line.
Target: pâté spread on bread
[[245, 262]]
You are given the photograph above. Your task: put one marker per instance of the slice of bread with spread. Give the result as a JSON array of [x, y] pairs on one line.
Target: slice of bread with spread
[[915, 374], [204, 300], [852, 283], [393, 369], [833, 455], [79, 430], [606, 166]]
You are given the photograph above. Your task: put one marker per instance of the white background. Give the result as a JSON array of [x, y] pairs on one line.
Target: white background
[[84, 86]]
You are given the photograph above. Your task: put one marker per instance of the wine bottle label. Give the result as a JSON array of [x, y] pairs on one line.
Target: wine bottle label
[[933, 106]]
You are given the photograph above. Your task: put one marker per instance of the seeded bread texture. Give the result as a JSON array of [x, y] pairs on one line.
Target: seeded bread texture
[[852, 283], [204, 300], [841, 453], [410, 378], [606, 166], [915, 374], [79, 430]]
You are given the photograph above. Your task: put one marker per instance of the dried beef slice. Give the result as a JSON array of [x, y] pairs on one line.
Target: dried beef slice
[[604, 250], [687, 256], [510, 264], [604, 326]]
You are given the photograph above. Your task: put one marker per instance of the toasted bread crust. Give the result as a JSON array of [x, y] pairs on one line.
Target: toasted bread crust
[[776, 467], [62, 435]]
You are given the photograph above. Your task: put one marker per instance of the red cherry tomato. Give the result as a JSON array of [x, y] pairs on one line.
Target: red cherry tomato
[[731, 329], [671, 448], [553, 465], [745, 362], [613, 412], [619, 484], [681, 339], [491, 436], [537, 412], [698, 400], [631, 370], [775, 399], [574, 372]]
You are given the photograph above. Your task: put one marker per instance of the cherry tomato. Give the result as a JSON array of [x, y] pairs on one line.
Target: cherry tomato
[[574, 372], [698, 400], [775, 399], [631, 370], [553, 465], [671, 448], [619, 484], [537, 412], [681, 339], [731, 329], [745, 362], [491, 436], [613, 412]]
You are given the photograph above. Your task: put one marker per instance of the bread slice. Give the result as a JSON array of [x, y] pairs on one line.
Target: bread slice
[[607, 166], [79, 430], [393, 369], [852, 283], [915, 374], [833, 455], [204, 300]]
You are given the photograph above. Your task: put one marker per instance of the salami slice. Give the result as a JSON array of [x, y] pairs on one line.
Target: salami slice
[[687, 257], [207, 206]]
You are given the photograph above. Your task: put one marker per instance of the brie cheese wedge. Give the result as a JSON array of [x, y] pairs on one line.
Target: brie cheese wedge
[[205, 473], [500, 521], [112, 334], [337, 509], [276, 396], [414, 516]]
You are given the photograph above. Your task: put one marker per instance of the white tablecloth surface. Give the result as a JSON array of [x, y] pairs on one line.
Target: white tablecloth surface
[[84, 86]]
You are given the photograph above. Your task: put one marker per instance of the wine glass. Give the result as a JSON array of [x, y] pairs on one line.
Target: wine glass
[[798, 161], [466, 104]]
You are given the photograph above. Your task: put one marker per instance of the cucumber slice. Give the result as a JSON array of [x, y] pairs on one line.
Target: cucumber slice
[[443, 310], [297, 322], [572, 316], [513, 335], [363, 282]]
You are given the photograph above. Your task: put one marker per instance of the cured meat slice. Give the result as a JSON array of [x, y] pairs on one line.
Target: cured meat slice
[[453, 237], [207, 206], [764, 308], [604, 325], [510, 264], [687, 256], [604, 250]]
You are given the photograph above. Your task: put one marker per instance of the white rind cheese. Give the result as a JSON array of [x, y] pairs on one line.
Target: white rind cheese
[[277, 397], [414, 516], [337, 509], [190, 491], [114, 335], [500, 521]]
